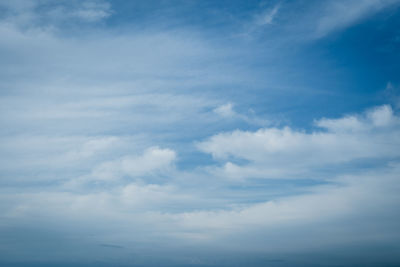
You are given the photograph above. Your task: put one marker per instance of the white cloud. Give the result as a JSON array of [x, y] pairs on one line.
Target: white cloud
[[317, 219], [93, 146], [139, 210], [271, 150], [201, 213], [383, 117], [379, 117], [154, 160], [39, 158], [225, 110], [344, 13]]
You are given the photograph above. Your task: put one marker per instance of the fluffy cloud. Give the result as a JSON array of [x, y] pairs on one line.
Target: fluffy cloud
[[275, 152]]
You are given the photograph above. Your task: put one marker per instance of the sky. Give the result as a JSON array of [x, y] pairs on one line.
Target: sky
[[199, 133]]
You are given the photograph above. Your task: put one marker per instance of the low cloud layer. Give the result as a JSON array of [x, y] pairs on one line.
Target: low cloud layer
[[144, 197]]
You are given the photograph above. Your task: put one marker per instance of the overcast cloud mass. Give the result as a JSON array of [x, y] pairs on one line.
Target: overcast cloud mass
[[199, 133]]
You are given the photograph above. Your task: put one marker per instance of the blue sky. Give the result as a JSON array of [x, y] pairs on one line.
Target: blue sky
[[199, 133]]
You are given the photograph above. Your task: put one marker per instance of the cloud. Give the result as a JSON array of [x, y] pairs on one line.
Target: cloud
[[304, 21], [341, 14], [125, 85], [392, 94], [28, 158], [153, 160], [351, 209], [269, 150], [268, 16], [225, 110], [152, 166], [378, 117], [91, 147], [30, 14], [158, 201], [91, 11], [322, 218]]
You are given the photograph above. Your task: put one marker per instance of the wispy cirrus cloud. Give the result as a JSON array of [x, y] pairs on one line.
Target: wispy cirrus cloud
[[319, 19], [30, 14], [339, 15], [268, 16]]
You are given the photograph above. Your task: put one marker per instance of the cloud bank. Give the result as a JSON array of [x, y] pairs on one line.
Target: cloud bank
[[135, 198]]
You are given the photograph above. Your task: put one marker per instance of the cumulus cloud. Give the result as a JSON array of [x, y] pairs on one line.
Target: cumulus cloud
[[376, 118], [270, 150]]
